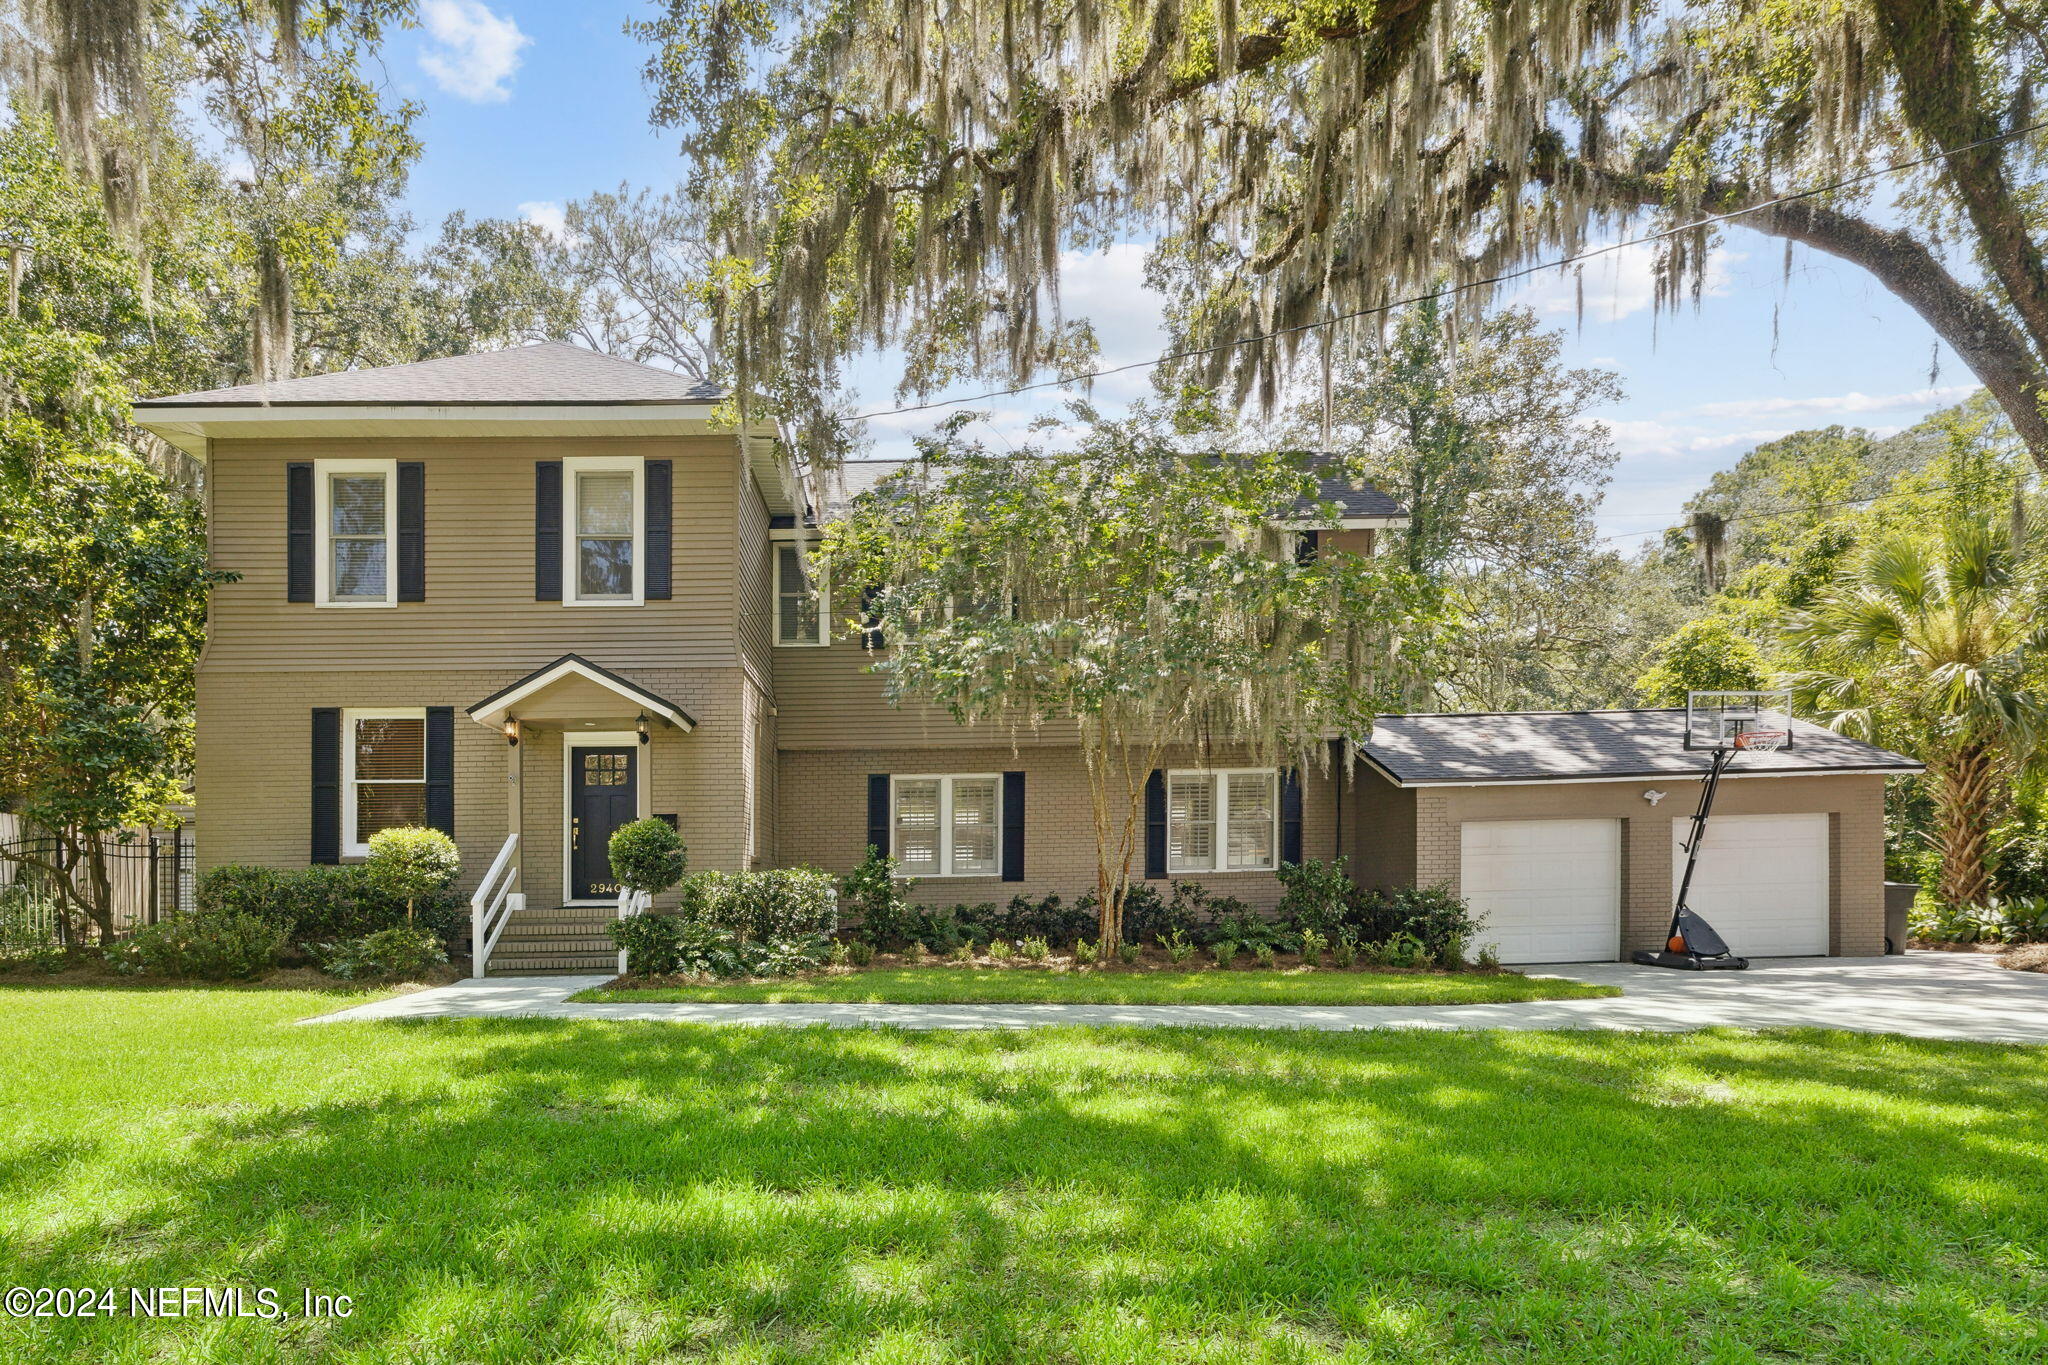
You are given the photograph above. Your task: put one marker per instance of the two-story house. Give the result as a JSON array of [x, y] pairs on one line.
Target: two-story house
[[529, 595]]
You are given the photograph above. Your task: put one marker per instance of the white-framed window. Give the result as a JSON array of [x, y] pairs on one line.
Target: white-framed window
[[799, 602], [947, 826], [601, 560], [383, 773], [355, 511], [1227, 821]]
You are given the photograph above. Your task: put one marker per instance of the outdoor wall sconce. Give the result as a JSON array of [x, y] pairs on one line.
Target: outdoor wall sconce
[[511, 729], [640, 729]]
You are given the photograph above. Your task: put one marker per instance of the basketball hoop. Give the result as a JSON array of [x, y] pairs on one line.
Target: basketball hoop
[[1762, 741]]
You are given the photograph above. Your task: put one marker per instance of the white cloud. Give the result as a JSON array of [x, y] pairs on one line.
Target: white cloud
[[1649, 437], [548, 216], [1614, 285], [477, 50], [1836, 404]]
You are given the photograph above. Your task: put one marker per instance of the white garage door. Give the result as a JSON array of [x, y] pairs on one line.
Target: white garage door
[[1762, 882], [1550, 890]]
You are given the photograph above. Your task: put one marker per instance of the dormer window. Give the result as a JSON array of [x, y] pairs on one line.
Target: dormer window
[[604, 567], [356, 511], [799, 605]]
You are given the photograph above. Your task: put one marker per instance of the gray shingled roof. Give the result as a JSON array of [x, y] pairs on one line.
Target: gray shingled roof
[[550, 372], [1536, 746]]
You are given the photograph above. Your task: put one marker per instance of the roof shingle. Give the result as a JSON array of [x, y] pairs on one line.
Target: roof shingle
[[1539, 746]]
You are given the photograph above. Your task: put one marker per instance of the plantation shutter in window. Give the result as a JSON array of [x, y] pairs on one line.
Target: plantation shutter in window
[[1013, 827], [547, 531], [878, 813], [326, 769], [441, 769], [298, 531], [1290, 816], [1155, 826], [657, 519], [412, 531]]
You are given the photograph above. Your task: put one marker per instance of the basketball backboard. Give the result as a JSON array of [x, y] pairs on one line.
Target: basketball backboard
[[1760, 720]]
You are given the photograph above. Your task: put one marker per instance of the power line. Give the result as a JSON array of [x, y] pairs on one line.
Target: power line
[[1519, 272]]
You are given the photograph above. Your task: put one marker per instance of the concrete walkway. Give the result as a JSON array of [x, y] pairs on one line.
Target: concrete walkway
[[1925, 995]]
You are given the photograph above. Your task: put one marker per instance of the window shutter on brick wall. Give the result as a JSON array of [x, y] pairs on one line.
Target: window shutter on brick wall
[[1013, 827], [1155, 826], [878, 812], [870, 638], [659, 536], [441, 769], [298, 531], [547, 531], [1307, 546], [1290, 816], [326, 769], [412, 531]]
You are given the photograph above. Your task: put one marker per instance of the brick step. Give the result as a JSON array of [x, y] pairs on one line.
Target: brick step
[[509, 942], [573, 918], [504, 963]]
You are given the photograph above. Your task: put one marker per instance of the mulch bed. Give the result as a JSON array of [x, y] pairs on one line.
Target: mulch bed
[[2025, 957]]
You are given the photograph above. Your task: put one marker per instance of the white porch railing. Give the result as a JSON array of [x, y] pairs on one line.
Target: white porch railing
[[631, 903], [491, 906]]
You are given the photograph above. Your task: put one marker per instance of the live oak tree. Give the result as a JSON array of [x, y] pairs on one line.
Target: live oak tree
[[1139, 591], [909, 172]]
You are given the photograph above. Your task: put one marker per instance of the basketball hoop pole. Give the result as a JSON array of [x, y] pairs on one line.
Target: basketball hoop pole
[[1723, 756]]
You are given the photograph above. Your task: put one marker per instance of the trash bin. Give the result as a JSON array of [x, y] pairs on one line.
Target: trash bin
[[1898, 903]]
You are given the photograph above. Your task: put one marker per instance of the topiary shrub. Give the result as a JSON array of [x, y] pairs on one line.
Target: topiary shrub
[[648, 856], [401, 953], [652, 943], [410, 862], [217, 946]]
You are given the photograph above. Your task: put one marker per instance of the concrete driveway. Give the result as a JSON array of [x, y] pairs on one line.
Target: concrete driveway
[[1925, 995]]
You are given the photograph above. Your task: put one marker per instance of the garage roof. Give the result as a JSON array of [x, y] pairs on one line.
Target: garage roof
[[1589, 746]]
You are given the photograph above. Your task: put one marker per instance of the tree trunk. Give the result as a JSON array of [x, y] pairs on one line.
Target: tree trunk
[[1965, 796]]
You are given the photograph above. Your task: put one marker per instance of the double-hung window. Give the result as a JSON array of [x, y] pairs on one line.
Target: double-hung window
[[602, 551], [1222, 821], [799, 603], [355, 508], [383, 773], [947, 826]]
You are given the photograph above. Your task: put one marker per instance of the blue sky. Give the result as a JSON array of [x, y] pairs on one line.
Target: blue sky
[[531, 105]]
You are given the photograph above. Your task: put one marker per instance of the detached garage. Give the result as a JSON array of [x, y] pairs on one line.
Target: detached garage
[[1566, 831]]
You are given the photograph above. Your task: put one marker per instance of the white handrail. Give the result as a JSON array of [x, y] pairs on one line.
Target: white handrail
[[631, 903], [487, 908]]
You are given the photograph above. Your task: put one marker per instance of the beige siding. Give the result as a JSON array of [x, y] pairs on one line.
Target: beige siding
[[479, 610], [753, 595], [824, 820], [254, 756], [827, 699], [1853, 803]]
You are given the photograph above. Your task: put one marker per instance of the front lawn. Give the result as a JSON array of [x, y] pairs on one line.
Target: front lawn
[[950, 985], [508, 1190]]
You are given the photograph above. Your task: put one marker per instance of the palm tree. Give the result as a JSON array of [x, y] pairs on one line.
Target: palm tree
[[1924, 642]]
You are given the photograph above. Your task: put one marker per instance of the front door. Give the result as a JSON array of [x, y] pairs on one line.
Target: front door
[[603, 794]]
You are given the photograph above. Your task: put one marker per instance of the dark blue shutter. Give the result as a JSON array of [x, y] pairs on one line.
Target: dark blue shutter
[[871, 629], [1290, 815], [1155, 826], [658, 518], [1013, 827], [298, 531], [878, 812], [441, 769], [1306, 546], [547, 531], [412, 531], [326, 767]]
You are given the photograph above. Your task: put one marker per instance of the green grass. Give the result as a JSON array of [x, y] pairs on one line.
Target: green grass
[[501, 1190], [1024, 985]]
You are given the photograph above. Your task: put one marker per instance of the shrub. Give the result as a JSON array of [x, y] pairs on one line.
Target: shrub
[[1049, 918], [1344, 952], [876, 899], [961, 952], [916, 953], [781, 956], [1178, 948], [1127, 952], [325, 904], [1432, 916], [841, 954], [1239, 921], [1404, 950], [937, 931], [1263, 954], [998, 950], [667, 945], [1451, 957], [400, 953], [408, 862], [1318, 895], [1224, 950], [1312, 945], [1034, 950], [758, 907], [1996, 921], [1085, 952], [217, 946], [652, 943], [861, 952], [28, 926], [1489, 957], [647, 855]]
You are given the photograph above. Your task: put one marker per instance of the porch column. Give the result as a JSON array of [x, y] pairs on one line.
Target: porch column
[[515, 806]]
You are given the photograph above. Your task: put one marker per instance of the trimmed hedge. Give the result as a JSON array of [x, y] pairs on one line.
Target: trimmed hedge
[[778, 903], [216, 946], [324, 904]]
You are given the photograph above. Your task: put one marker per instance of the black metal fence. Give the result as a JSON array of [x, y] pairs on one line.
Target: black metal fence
[[150, 876]]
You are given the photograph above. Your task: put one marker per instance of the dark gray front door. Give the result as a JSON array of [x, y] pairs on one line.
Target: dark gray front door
[[603, 794]]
